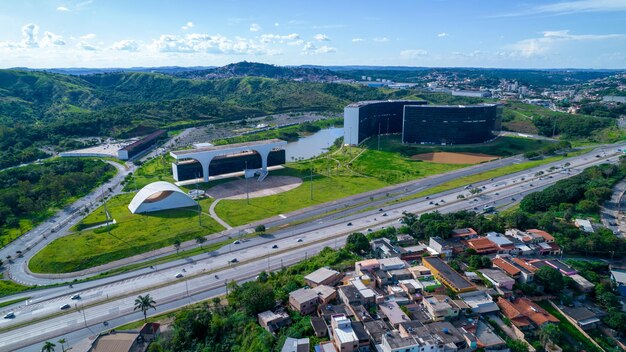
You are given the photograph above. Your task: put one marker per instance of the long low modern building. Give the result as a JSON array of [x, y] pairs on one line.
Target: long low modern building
[[222, 159], [422, 123], [447, 276]]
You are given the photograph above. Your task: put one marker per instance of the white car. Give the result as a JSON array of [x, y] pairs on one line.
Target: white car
[[76, 296]]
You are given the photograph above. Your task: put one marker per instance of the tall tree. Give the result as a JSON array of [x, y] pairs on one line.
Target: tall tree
[[48, 347], [144, 303]]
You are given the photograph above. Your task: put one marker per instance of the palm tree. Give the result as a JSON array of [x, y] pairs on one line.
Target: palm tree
[[48, 347], [62, 342], [200, 240], [144, 303]]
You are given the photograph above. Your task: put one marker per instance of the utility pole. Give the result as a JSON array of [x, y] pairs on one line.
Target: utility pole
[[379, 136], [245, 175], [106, 213]]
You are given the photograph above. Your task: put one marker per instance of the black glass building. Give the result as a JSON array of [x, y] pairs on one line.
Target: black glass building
[[451, 124]]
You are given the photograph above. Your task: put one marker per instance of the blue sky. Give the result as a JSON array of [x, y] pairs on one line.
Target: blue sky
[[498, 33]]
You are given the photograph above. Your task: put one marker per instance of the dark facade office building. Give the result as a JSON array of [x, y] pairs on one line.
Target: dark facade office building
[[366, 118], [451, 124], [422, 123]]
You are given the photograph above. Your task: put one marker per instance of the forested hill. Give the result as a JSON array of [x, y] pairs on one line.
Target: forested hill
[[245, 69], [38, 108]]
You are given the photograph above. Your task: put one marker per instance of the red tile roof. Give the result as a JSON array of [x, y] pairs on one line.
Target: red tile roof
[[546, 236], [482, 245], [522, 312], [506, 266], [524, 265]]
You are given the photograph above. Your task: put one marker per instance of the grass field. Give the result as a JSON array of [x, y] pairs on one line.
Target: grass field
[[10, 287], [157, 169], [502, 146], [134, 234]]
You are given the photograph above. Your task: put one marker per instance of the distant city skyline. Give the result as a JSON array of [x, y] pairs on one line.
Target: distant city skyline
[[496, 34]]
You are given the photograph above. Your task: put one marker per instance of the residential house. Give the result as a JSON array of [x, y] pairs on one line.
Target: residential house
[[618, 276], [350, 295], [393, 314], [584, 225], [583, 317], [440, 247], [296, 345], [525, 314], [480, 302], [583, 284], [404, 240], [505, 245], [319, 326], [323, 276], [368, 265], [482, 245], [440, 307], [498, 278], [464, 234], [272, 321], [382, 248], [344, 337], [306, 300], [394, 263]]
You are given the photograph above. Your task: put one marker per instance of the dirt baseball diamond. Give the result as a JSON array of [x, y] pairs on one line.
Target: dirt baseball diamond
[[270, 186], [454, 158]]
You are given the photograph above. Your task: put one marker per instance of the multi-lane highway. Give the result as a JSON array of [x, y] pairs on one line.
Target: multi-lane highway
[[205, 275]]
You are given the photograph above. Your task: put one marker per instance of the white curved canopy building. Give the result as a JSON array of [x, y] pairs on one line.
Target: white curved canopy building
[[160, 195]]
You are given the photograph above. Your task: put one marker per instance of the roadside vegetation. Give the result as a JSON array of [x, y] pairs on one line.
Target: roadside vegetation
[[132, 235], [232, 326], [31, 194]]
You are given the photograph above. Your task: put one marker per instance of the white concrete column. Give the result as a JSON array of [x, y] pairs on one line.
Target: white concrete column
[[205, 162], [264, 152]]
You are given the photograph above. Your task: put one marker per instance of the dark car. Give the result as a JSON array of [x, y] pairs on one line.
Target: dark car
[[234, 260], [349, 224], [275, 246]]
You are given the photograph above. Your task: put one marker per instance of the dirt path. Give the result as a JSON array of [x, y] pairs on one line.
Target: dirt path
[[454, 158]]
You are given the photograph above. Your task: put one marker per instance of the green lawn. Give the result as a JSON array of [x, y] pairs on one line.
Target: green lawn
[[238, 212], [133, 234], [157, 169], [502, 146], [10, 287]]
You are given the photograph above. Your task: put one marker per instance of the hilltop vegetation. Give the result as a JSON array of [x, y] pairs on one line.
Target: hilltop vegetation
[[29, 194], [38, 108], [46, 109]]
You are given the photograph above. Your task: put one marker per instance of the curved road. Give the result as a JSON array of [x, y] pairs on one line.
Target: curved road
[[111, 298]]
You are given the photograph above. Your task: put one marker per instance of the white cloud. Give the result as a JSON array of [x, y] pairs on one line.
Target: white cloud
[[86, 46], [62, 9], [125, 45], [357, 40], [570, 7], [443, 34], [310, 48], [50, 39], [321, 37], [29, 36], [205, 43], [88, 36], [187, 26], [255, 27], [539, 46], [381, 39], [413, 53], [276, 38], [276, 24]]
